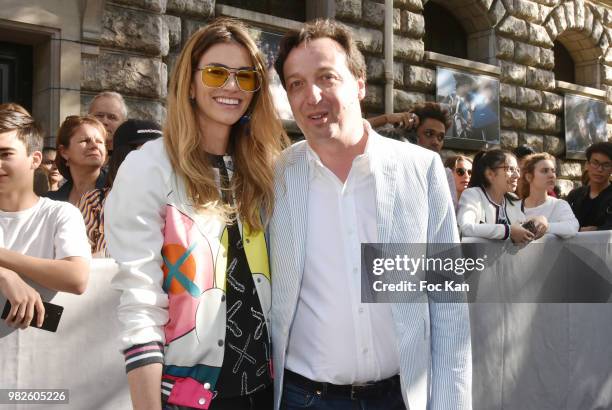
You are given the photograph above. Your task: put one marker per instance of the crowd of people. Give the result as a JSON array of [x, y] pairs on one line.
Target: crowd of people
[[232, 245]]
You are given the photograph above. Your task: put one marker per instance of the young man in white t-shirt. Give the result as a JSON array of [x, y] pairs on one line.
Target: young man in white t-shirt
[[43, 244]]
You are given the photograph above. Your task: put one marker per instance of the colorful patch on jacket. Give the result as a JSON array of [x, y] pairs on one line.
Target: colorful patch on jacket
[[194, 279]]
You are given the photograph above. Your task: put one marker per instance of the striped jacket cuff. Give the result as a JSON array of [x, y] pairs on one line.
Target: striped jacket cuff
[[166, 387], [143, 354], [506, 232]]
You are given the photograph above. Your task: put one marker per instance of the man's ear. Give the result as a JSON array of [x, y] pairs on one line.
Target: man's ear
[[361, 92], [36, 159]]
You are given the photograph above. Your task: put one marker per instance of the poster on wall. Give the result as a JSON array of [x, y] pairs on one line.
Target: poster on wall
[[473, 103], [269, 43], [585, 124]]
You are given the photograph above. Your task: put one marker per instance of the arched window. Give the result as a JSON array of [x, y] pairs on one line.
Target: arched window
[[443, 32], [564, 64], [577, 59]]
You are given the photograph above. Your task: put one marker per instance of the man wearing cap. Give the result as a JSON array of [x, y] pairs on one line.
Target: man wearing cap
[[130, 135]]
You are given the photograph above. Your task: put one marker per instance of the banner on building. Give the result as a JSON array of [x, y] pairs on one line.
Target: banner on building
[[585, 124], [473, 102]]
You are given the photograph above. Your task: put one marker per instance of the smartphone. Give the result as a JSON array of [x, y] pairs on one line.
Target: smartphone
[[53, 313], [530, 226]]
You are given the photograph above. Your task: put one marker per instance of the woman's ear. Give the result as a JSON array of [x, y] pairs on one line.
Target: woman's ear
[[489, 174], [61, 150]]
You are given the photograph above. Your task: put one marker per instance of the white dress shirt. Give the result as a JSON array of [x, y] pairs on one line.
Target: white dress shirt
[[335, 338]]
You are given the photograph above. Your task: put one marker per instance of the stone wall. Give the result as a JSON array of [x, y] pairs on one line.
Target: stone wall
[[139, 43], [531, 108], [141, 39]]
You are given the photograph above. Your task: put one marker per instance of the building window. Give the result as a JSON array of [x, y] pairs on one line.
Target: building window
[[564, 64], [16, 74], [278, 8], [577, 59], [443, 33]]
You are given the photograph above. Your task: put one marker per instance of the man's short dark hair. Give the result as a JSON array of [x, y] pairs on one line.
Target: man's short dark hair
[[604, 148], [522, 151], [322, 28], [27, 129], [433, 110]]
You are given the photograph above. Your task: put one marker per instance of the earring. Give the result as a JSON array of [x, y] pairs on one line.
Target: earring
[[245, 119]]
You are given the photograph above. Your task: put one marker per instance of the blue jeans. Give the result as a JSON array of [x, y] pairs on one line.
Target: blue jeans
[[295, 397]]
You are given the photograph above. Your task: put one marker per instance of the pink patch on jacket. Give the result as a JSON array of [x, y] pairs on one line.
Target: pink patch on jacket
[[188, 392], [180, 233]]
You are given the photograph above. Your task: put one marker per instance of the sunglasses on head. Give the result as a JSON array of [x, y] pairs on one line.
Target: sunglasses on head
[[248, 80], [462, 171]]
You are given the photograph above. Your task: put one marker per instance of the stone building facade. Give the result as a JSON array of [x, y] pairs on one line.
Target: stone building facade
[[81, 47]]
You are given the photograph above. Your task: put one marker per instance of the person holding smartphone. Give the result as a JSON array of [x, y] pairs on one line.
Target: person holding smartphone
[[42, 242], [488, 208], [185, 222], [538, 178]]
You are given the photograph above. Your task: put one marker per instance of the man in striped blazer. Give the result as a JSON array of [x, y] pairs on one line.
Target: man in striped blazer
[[346, 185]]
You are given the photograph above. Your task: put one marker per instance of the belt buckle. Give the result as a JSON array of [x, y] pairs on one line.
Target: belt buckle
[[356, 388]]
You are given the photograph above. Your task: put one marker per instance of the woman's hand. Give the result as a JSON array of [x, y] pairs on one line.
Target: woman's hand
[[518, 234], [541, 224]]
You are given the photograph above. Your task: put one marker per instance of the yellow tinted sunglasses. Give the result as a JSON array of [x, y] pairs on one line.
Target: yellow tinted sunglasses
[[248, 80]]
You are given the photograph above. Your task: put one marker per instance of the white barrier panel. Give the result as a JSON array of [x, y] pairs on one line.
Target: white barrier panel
[[526, 355], [543, 356], [82, 357]]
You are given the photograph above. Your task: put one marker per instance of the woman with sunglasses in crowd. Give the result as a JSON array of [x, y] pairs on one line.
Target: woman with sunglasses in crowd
[[538, 179], [185, 221], [488, 208], [81, 154], [462, 172]]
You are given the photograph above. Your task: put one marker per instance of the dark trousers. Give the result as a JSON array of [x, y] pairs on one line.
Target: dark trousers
[[297, 396]]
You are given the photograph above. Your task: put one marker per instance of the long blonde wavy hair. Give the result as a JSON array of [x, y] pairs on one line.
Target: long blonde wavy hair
[[254, 146]]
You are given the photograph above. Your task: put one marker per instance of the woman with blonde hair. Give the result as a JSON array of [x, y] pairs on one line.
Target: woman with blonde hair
[[185, 222], [539, 177]]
